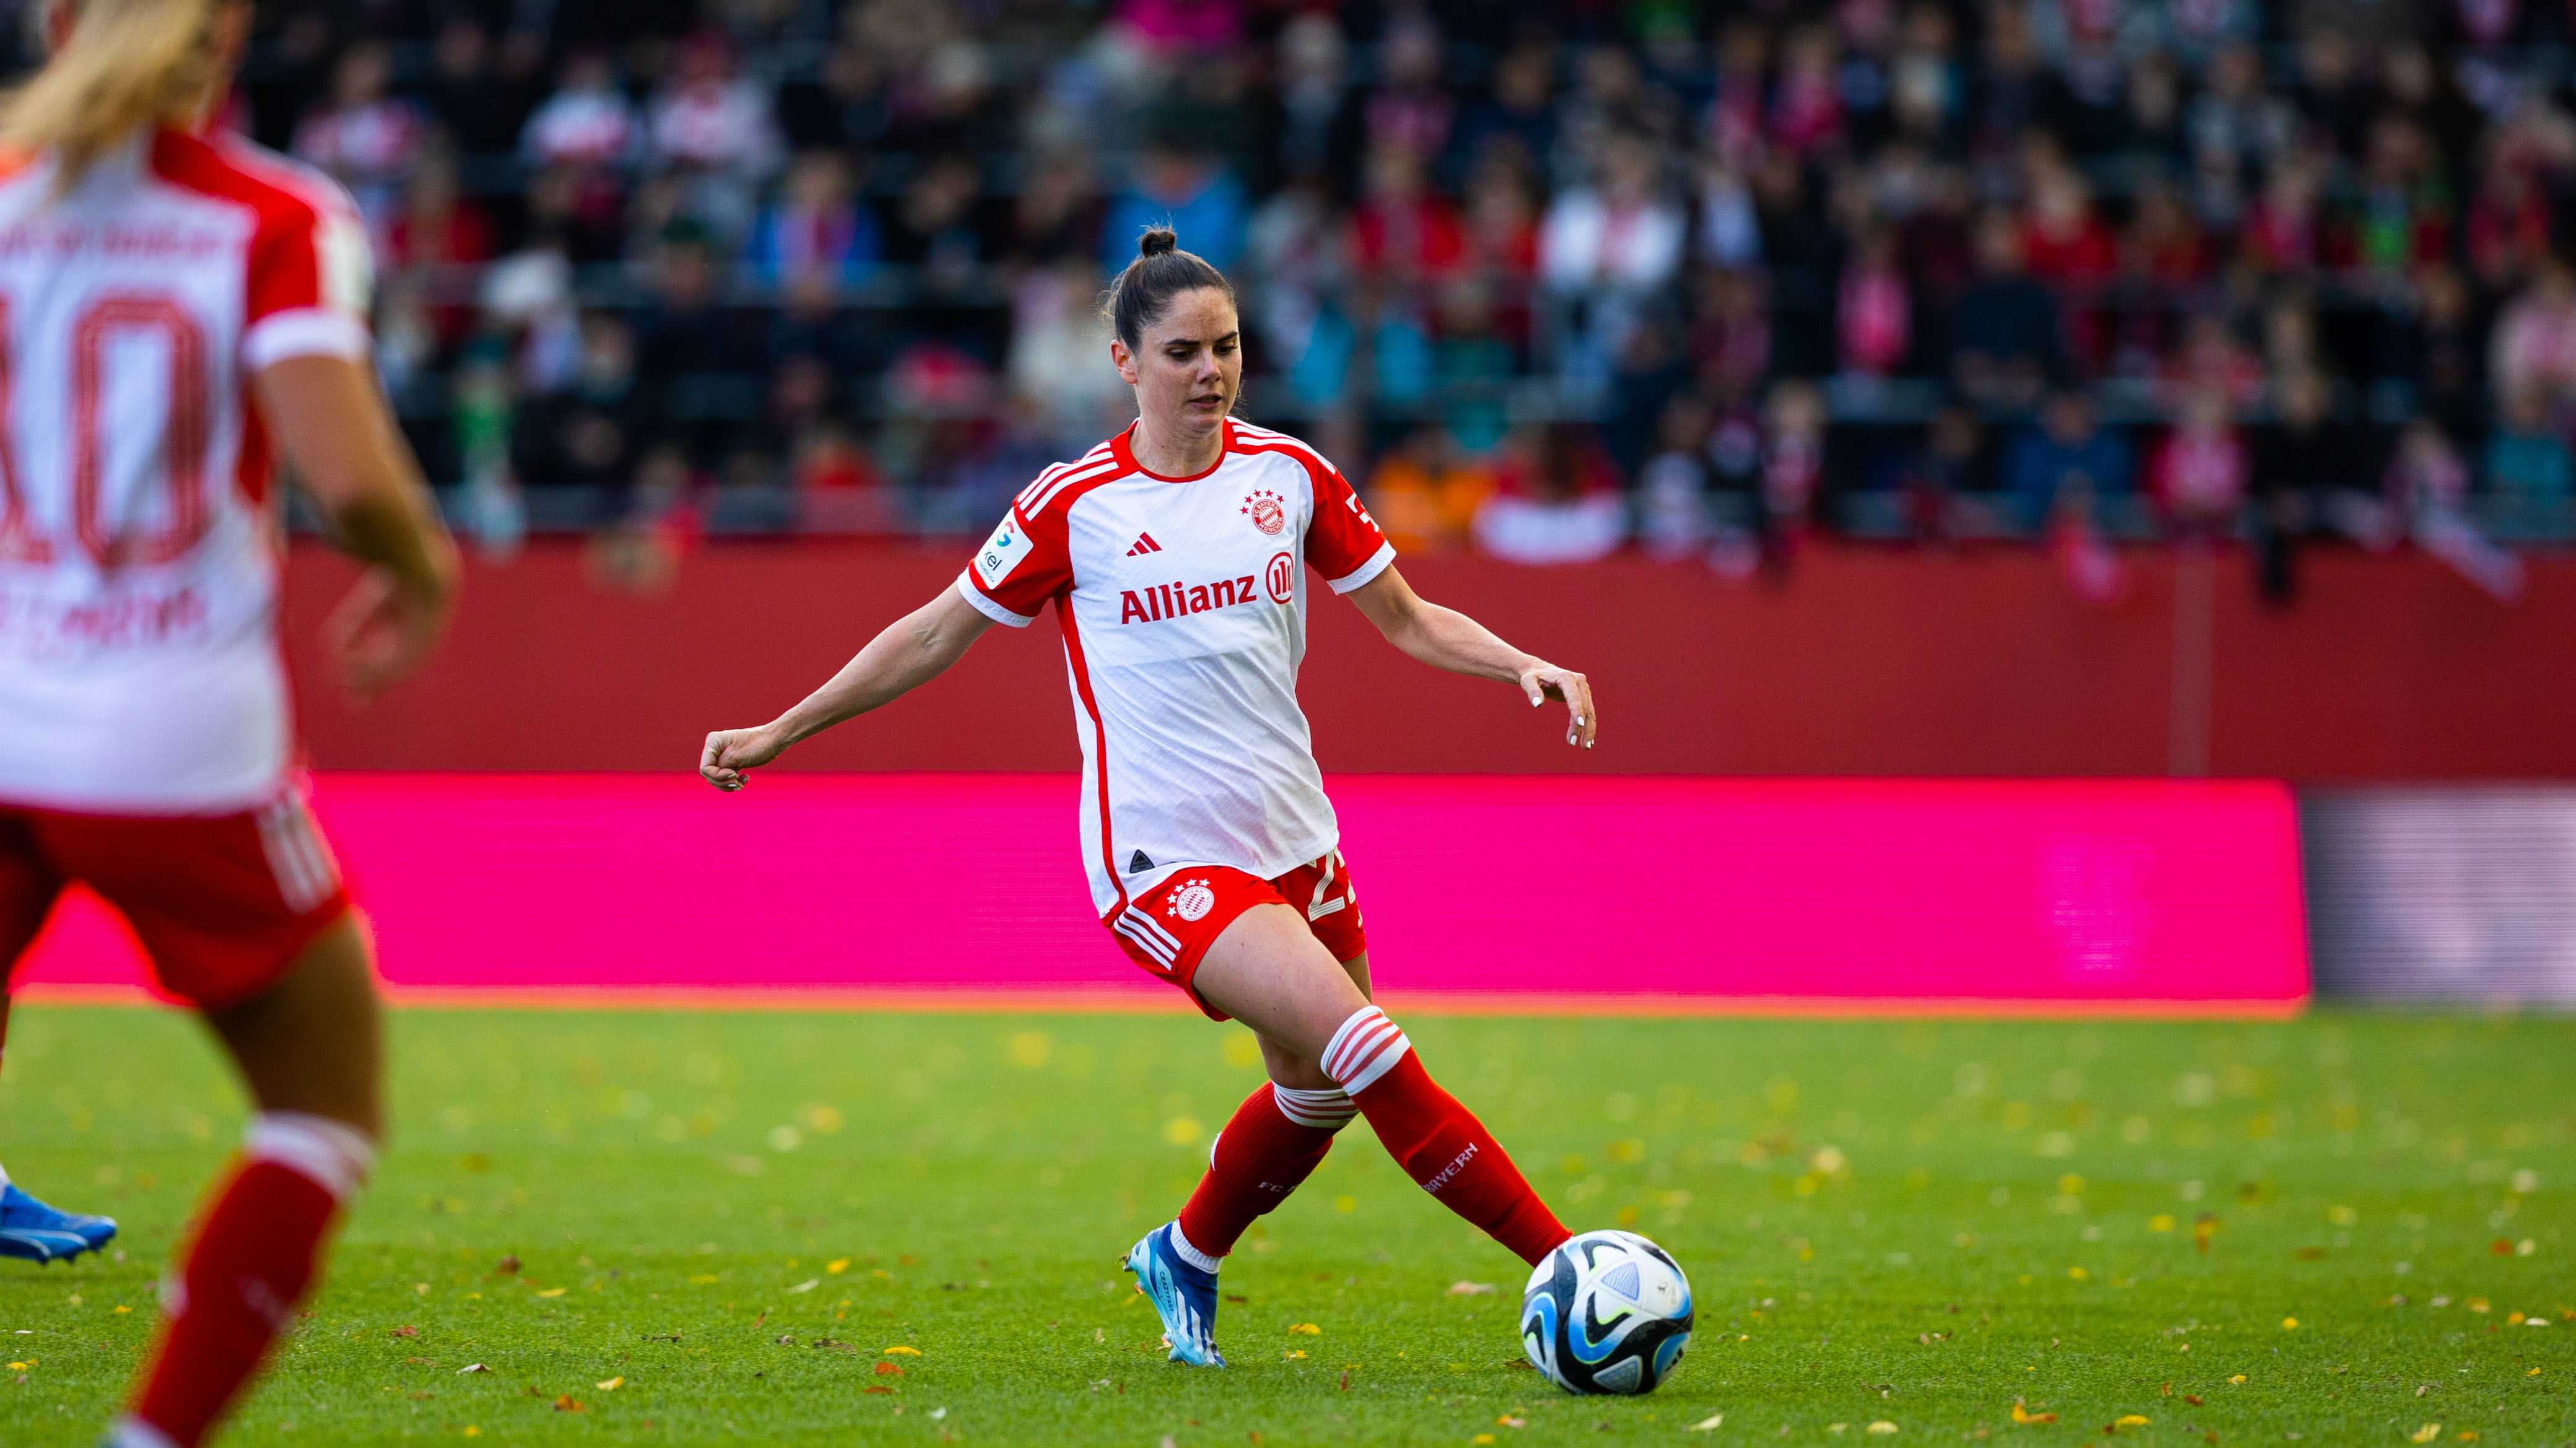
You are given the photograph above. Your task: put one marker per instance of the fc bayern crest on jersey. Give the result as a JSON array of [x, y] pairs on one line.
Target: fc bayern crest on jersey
[[1191, 900], [1266, 511]]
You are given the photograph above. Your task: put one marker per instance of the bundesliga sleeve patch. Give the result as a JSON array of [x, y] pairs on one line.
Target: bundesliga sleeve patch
[[1002, 552]]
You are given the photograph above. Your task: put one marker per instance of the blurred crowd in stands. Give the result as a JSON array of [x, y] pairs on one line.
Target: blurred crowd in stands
[[1552, 280]]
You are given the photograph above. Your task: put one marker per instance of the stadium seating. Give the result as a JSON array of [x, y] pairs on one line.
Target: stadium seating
[[1547, 279]]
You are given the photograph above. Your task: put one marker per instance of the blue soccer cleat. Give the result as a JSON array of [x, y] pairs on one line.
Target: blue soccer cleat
[[1184, 1296], [38, 1233]]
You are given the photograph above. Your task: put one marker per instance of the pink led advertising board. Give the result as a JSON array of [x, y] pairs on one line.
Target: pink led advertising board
[[1479, 892]]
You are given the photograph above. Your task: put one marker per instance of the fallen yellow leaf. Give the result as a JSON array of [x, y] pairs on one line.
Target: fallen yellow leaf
[[1882, 1426], [612, 1384], [2024, 1415], [552, 1292], [1308, 1328], [1296, 1352], [1508, 1421], [2240, 1377], [1482, 1438], [900, 1351], [1706, 1424], [2425, 1434], [837, 1266], [2129, 1420], [2160, 1222], [2289, 1324]]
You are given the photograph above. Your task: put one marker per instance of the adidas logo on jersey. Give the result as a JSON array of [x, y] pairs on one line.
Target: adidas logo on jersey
[[1144, 544]]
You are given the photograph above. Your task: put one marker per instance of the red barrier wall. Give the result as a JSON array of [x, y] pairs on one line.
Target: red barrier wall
[[1867, 661]]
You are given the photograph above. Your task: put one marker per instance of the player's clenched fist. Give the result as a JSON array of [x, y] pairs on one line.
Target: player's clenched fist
[[729, 752]]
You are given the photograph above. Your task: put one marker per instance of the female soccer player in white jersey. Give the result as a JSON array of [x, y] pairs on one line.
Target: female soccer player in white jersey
[[176, 309], [1176, 555]]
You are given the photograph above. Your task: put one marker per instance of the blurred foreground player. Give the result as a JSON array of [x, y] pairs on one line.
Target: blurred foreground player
[[1175, 555], [176, 306]]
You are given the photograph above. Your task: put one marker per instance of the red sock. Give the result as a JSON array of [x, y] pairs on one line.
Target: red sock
[[251, 1261], [1259, 1158], [1441, 1144]]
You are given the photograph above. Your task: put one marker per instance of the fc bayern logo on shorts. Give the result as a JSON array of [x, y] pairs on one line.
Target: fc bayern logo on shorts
[[1266, 512], [1192, 900]]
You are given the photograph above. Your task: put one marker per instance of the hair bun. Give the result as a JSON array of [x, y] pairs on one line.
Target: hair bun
[[1157, 240]]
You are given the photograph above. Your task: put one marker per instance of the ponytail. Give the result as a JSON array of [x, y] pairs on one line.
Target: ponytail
[[130, 64]]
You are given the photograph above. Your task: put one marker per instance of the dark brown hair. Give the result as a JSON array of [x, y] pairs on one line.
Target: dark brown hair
[[1160, 272]]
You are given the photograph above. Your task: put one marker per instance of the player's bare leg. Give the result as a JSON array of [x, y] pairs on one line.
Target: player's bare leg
[[315, 1043], [1319, 1032], [310, 1051], [1268, 971], [1274, 1141], [1285, 1066]]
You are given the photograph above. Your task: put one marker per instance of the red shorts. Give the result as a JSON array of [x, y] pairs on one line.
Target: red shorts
[[222, 903], [1169, 931]]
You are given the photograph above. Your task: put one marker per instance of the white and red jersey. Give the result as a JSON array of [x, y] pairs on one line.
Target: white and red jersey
[[139, 667], [1183, 604]]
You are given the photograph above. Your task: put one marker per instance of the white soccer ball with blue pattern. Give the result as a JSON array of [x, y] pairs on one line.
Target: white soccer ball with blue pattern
[[1608, 1312]]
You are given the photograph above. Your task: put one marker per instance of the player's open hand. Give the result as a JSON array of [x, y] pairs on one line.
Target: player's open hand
[[381, 632], [1542, 682], [730, 753]]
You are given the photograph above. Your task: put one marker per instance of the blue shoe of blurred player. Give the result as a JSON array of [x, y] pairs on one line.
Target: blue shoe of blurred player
[[30, 1229], [1184, 1296]]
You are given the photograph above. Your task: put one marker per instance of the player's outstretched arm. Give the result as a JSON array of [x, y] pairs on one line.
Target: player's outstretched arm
[[1448, 639], [331, 424], [912, 651]]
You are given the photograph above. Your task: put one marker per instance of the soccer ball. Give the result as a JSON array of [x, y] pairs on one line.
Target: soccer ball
[[1608, 1312]]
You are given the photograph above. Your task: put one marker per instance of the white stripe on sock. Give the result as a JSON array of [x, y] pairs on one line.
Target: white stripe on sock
[[333, 1154], [131, 1432], [1366, 1047], [1329, 1109], [1363, 1022]]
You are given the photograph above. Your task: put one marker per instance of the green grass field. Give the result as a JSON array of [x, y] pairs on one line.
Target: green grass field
[[904, 1228]]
